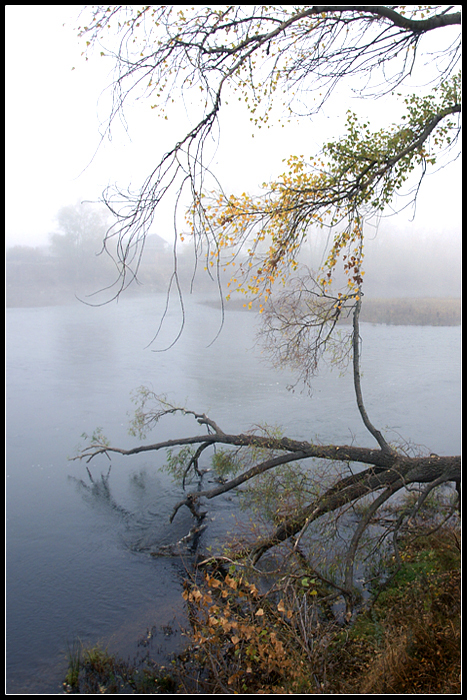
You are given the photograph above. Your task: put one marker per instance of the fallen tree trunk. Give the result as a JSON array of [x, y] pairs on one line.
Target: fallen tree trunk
[[387, 469], [376, 472], [403, 472]]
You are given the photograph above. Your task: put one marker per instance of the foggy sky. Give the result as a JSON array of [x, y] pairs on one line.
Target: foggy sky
[[53, 117]]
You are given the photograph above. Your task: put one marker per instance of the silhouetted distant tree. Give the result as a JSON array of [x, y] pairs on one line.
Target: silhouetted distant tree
[[77, 243]]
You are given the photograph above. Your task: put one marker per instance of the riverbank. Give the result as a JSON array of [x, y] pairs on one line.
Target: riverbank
[[407, 641], [412, 312], [396, 312], [442, 311]]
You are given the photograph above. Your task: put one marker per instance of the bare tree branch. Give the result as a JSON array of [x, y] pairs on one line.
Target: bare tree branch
[[166, 50], [163, 51]]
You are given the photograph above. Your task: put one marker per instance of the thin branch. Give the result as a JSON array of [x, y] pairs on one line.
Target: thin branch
[[361, 528], [311, 47], [357, 383]]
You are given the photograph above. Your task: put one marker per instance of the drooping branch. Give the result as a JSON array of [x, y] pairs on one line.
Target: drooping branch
[[383, 469], [299, 327], [331, 452], [312, 48], [358, 177], [164, 51], [404, 472]]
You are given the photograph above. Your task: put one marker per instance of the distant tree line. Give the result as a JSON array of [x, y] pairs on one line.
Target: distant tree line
[[72, 265]]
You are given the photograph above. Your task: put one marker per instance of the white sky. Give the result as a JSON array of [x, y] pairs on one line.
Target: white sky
[[52, 133]]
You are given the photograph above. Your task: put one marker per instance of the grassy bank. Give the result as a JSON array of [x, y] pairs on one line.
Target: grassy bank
[[412, 312], [397, 312], [407, 641], [402, 312]]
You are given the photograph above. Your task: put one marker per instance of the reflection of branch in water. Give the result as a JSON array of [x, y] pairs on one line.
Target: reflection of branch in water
[[98, 492]]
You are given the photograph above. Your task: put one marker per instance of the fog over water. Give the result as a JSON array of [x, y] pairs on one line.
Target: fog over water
[[57, 146]]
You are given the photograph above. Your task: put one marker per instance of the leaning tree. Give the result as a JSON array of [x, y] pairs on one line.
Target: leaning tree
[[297, 56]]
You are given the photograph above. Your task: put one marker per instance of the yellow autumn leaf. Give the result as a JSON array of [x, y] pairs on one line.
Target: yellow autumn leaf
[[253, 589], [231, 582]]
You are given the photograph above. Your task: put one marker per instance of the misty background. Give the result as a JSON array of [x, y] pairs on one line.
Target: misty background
[[73, 266], [58, 163]]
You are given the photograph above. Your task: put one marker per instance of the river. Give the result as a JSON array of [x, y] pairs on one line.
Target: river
[[77, 562]]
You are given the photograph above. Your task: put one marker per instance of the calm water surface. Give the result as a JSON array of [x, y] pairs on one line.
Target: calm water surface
[[77, 544]]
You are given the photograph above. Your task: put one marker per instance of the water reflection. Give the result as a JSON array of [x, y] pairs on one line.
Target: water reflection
[[97, 493], [78, 559], [146, 527]]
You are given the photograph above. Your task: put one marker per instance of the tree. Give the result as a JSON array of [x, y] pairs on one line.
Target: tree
[[81, 229], [300, 55], [78, 242]]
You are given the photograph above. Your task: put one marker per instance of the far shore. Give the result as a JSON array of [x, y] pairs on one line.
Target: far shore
[[423, 311], [412, 312]]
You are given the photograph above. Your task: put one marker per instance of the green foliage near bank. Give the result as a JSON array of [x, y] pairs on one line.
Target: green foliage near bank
[[93, 671], [408, 641]]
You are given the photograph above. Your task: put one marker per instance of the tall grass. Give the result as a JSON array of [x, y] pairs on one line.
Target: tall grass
[[412, 312]]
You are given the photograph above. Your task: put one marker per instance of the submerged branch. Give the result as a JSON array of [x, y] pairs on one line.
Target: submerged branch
[[386, 469]]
